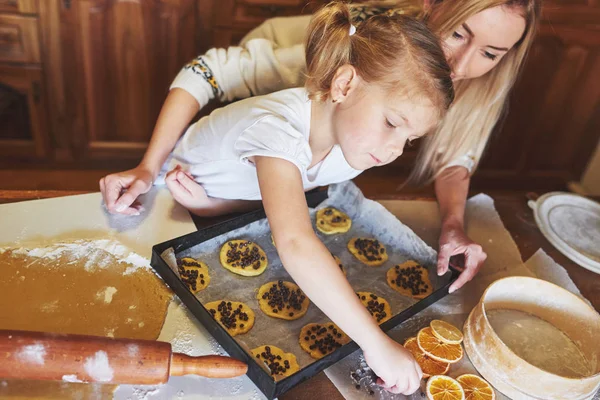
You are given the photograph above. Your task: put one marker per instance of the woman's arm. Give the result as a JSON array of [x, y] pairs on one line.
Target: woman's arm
[[120, 190], [451, 188], [311, 266]]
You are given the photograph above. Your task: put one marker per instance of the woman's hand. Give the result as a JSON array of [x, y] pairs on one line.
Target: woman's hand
[[395, 366], [454, 241], [121, 190]]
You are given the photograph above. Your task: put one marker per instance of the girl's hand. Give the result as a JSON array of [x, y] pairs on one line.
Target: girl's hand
[[185, 190], [121, 190], [454, 241], [395, 366]]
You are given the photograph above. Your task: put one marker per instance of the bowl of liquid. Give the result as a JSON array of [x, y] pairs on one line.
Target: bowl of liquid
[[532, 339]]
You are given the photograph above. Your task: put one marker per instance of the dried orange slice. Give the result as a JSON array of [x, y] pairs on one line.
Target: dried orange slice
[[428, 365], [476, 388], [437, 349], [446, 332], [442, 387]]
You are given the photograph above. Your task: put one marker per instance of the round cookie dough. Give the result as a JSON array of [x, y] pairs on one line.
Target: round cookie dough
[[410, 279], [237, 318], [378, 306], [368, 251], [280, 363], [281, 299], [331, 221], [339, 262], [318, 340], [193, 273], [243, 257]]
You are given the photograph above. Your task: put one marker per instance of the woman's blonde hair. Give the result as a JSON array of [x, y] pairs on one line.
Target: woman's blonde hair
[[479, 102], [395, 51]]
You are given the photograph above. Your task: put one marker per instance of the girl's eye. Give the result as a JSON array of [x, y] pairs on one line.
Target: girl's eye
[[490, 55], [457, 35], [389, 124]]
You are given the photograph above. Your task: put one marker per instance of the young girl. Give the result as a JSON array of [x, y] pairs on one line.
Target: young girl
[[370, 89], [485, 41]]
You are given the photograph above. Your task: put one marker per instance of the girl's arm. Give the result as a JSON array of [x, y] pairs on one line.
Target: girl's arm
[[451, 188], [311, 266]]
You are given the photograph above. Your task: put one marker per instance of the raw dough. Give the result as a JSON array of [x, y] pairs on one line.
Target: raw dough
[[331, 221], [45, 290], [410, 279], [280, 363], [318, 340], [194, 273], [237, 318], [281, 299], [243, 257], [368, 251], [378, 306]]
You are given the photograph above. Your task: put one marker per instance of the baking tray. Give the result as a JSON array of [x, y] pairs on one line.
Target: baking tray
[[258, 374]]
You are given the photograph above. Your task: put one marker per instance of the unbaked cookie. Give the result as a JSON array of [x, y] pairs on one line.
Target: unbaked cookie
[[331, 220], [193, 273], [281, 299], [410, 279], [368, 251], [339, 262], [237, 318], [243, 257], [280, 363], [318, 340], [378, 306]]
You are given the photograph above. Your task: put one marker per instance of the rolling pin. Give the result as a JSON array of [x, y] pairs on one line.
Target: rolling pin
[[78, 358]]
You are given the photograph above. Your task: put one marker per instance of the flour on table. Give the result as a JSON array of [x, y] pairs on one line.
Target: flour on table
[[95, 251], [106, 294]]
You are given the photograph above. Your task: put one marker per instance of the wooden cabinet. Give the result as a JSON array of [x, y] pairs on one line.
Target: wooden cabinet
[[23, 107], [83, 82], [122, 56], [22, 114]]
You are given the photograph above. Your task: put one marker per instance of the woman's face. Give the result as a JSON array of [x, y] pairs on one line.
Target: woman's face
[[477, 46]]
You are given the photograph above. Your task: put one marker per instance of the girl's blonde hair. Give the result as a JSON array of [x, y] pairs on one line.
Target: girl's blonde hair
[[480, 102], [397, 52]]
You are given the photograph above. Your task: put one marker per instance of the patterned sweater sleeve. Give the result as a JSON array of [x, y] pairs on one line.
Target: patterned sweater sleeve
[[259, 67]]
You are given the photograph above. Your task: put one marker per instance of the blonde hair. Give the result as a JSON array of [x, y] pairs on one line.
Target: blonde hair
[[480, 102], [394, 51]]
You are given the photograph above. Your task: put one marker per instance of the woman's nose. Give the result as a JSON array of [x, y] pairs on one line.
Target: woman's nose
[[459, 62]]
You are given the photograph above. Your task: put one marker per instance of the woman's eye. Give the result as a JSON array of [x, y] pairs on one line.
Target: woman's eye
[[490, 55], [389, 124], [457, 36]]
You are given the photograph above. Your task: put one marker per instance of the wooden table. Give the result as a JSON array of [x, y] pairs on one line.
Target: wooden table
[[517, 218]]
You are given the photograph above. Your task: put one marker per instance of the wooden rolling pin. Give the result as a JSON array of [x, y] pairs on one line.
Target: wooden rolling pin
[[78, 358]]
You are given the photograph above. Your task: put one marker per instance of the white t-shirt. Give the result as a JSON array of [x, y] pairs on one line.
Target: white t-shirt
[[215, 150]]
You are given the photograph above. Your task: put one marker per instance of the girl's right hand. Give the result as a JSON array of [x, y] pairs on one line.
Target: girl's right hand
[[121, 190], [394, 365]]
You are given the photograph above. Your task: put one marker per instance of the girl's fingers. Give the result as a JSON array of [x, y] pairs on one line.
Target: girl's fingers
[[189, 183]]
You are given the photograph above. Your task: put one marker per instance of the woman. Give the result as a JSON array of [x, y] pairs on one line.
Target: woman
[[485, 41]]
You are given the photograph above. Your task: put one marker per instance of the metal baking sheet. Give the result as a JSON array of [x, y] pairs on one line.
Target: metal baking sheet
[[370, 219]]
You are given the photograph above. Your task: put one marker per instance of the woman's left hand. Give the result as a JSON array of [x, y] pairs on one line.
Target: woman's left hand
[[454, 241]]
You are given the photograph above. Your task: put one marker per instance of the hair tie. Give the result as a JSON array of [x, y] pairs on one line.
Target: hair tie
[[352, 29]]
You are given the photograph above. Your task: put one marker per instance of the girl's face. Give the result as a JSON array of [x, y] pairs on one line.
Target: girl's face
[[372, 128], [477, 46]]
